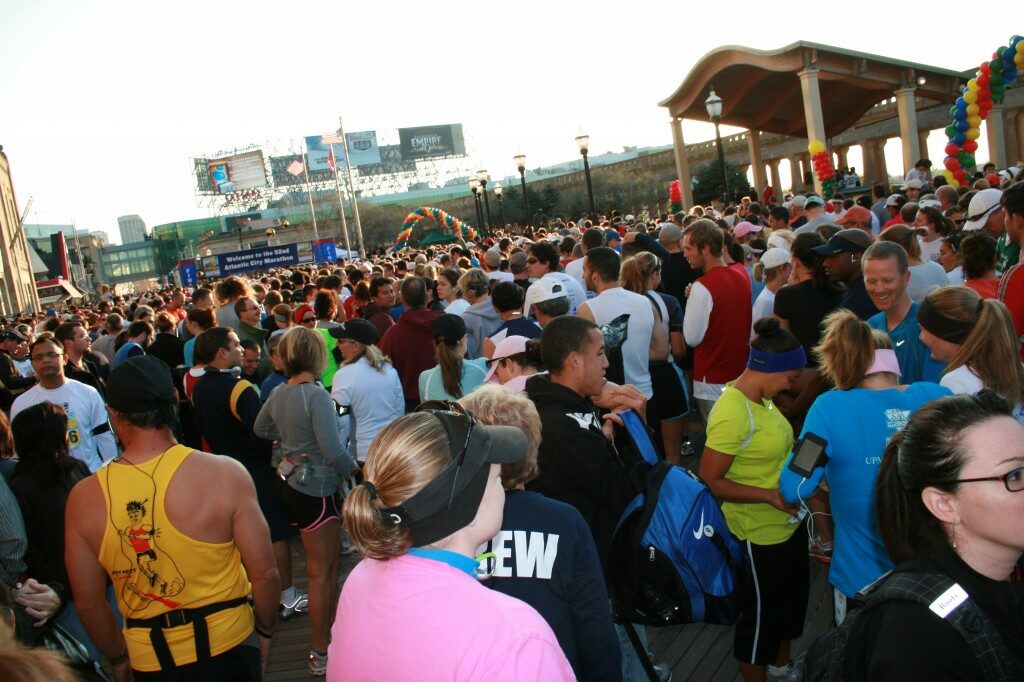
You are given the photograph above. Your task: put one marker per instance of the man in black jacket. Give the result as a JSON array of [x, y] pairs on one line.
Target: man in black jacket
[[78, 365], [12, 382]]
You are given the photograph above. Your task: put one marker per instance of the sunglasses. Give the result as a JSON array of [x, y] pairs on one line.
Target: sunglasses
[[1013, 481], [447, 409], [307, 320]]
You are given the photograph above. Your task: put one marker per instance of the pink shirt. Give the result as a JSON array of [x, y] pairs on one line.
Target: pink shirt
[[411, 618]]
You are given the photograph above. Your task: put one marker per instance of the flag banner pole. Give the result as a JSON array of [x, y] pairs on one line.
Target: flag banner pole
[[309, 194], [352, 191], [341, 201]]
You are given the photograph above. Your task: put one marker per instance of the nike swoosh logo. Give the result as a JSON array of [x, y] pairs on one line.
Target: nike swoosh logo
[[700, 529], [900, 343]]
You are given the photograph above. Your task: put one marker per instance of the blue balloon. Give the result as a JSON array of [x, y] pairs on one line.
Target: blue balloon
[[962, 125], [1010, 74], [960, 114], [959, 138], [961, 103]]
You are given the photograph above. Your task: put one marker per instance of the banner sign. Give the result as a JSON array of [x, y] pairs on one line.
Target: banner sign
[[187, 271], [362, 150], [268, 257], [427, 142], [324, 251], [234, 173]]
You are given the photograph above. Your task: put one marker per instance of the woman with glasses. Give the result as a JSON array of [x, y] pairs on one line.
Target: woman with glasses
[[975, 337], [950, 505], [414, 608], [304, 316], [303, 419]]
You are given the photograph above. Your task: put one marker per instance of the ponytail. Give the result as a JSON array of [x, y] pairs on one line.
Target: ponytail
[[449, 359]]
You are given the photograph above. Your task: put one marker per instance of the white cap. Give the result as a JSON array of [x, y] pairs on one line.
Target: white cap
[[774, 257], [544, 289], [983, 204]]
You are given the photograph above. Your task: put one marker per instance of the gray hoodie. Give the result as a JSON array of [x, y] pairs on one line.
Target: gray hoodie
[[481, 321]]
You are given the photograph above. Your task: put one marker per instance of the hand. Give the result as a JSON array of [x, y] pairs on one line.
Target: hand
[[776, 501], [264, 652], [686, 292], [616, 398], [123, 672], [40, 601]]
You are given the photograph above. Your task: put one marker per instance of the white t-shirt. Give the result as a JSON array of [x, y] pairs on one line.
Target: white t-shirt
[[963, 381], [930, 250], [575, 270], [376, 403], [86, 413], [457, 307], [636, 351], [500, 276], [764, 306]]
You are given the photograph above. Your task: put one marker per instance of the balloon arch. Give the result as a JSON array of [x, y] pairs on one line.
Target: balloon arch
[[456, 229]]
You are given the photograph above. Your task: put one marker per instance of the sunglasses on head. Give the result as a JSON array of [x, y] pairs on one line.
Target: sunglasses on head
[[447, 410]]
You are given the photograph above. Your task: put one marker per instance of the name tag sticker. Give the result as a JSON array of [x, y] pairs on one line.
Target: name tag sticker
[[948, 601]]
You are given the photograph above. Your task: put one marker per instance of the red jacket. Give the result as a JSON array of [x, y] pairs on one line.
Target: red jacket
[[411, 348]]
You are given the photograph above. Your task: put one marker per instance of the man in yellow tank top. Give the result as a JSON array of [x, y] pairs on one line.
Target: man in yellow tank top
[[180, 535]]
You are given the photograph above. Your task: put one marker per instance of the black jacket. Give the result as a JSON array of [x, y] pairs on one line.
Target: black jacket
[[578, 465]]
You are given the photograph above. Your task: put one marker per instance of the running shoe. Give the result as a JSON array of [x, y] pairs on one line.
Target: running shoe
[[295, 606], [822, 551], [786, 673], [317, 663]]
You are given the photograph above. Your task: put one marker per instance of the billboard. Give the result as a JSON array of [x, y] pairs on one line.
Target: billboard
[[362, 151], [427, 142], [235, 173]]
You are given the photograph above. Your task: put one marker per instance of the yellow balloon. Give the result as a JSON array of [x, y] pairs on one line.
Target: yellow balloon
[[970, 97], [816, 147], [973, 109], [972, 85], [1018, 58], [974, 121], [972, 133], [1020, 47], [954, 183]]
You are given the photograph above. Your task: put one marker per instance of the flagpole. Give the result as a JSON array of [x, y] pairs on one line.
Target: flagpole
[[309, 194], [341, 203], [352, 191]]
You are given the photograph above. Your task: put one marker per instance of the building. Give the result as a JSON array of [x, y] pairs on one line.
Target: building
[[133, 229], [129, 263], [17, 286]]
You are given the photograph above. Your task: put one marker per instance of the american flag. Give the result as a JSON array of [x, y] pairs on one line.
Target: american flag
[[295, 168], [332, 138], [330, 158]]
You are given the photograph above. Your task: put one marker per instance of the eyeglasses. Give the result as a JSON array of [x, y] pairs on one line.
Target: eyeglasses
[[983, 213], [307, 320], [1014, 481], [448, 408], [45, 356]]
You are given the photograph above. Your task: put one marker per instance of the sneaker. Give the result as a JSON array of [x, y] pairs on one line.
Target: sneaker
[[664, 672], [297, 605], [822, 551], [786, 673], [317, 663]]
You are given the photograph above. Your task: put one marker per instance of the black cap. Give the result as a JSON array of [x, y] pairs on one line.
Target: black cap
[[845, 241], [448, 328], [451, 500], [362, 331], [11, 335], [140, 384]]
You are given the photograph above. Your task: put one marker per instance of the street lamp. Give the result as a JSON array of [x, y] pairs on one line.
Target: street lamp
[[474, 187], [501, 209], [583, 142], [482, 176], [714, 106], [520, 160]]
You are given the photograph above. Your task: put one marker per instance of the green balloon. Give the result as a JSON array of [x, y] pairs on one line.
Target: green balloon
[[995, 79], [951, 131], [996, 65], [966, 160], [1000, 50]]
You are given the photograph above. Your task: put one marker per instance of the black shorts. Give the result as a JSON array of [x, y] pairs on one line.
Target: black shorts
[[669, 386], [265, 479], [238, 664], [774, 598], [306, 512]]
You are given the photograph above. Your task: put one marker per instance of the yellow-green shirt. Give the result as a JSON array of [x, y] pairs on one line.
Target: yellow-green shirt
[[760, 439]]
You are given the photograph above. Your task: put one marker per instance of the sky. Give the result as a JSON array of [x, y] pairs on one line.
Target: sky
[[103, 103]]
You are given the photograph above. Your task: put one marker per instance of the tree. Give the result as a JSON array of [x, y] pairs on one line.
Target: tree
[[708, 182]]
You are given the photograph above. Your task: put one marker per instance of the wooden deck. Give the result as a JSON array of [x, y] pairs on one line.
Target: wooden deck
[[695, 652]]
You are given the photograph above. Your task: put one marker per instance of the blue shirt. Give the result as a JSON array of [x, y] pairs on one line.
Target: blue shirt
[[189, 348], [127, 350], [857, 424], [916, 363]]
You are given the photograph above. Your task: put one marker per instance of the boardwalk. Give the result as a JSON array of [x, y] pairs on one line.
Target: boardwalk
[[696, 652]]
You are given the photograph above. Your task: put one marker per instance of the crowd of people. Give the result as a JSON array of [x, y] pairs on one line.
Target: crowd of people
[[449, 414]]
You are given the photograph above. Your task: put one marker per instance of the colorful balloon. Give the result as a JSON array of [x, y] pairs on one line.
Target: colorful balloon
[[816, 147]]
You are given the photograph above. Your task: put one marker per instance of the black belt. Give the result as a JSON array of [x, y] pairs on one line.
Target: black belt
[[172, 619]]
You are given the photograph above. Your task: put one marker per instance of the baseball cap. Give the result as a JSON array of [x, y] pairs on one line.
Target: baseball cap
[[361, 331], [858, 213], [850, 240], [670, 233], [448, 328], [774, 257], [814, 200], [450, 501], [982, 205], [798, 200], [11, 335], [610, 236], [912, 184], [778, 241], [544, 289], [517, 262], [51, 312], [507, 347], [492, 257], [140, 384], [745, 228], [893, 200]]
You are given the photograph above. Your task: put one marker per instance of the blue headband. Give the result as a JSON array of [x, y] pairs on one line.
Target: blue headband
[[777, 362]]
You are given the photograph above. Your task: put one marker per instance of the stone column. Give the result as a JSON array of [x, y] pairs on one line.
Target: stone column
[[776, 177], [796, 176], [812, 110], [754, 147], [682, 162], [922, 146], [995, 126], [840, 153], [908, 127]]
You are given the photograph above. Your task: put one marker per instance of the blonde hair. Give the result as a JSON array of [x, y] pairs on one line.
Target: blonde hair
[[991, 350], [302, 350], [374, 356], [636, 270], [847, 348], [905, 236], [492, 404], [404, 457], [19, 663], [763, 274], [474, 284]]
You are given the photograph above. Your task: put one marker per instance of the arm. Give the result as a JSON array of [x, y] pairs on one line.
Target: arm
[[10, 378], [648, 243], [584, 312], [263, 426], [714, 465], [659, 347], [328, 437], [487, 350], [677, 344], [698, 313]]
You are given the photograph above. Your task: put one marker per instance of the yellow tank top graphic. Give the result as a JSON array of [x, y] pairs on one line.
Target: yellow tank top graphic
[[155, 568]]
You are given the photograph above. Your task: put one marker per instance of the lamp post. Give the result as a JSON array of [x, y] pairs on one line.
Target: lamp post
[[474, 187], [482, 176], [520, 160], [583, 142], [498, 189], [714, 106]]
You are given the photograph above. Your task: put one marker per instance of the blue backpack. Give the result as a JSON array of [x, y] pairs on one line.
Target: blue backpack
[[673, 559]]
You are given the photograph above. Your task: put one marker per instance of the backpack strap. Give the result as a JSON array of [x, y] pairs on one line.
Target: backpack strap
[[951, 602]]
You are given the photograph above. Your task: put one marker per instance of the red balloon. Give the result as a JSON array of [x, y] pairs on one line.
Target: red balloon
[[971, 146], [951, 163], [985, 68], [952, 149], [960, 175], [993, 179], [983, 79]]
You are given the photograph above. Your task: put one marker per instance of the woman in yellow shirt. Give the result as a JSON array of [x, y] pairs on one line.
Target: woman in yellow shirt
[[748, 441]]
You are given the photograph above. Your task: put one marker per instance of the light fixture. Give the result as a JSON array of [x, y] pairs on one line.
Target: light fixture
[[474, 184], [497, 189], [714, 106], [520, 160], [482, 176], [583, 142], [921, 80]]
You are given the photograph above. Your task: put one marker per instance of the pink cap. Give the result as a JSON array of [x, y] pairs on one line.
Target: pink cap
[[745, 228], [507, 347], [885, 361]]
